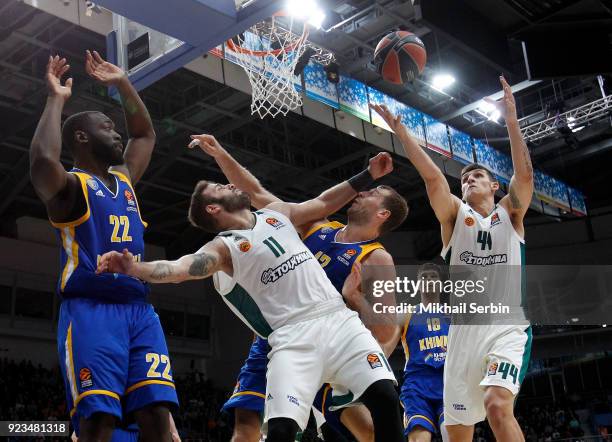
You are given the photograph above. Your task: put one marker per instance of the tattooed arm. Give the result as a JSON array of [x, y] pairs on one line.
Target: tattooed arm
[[521, 185], [211, 258]]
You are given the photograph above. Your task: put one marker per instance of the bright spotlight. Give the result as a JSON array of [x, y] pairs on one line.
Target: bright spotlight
[[486, 107], [494, 116], [442, 81], [306, 10]]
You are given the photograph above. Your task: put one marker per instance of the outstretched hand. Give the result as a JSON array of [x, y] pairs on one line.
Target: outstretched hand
[[56, 68], [115, 262], [101, 70], [207, 143], [380, 165], [506, 105], [393, 121]]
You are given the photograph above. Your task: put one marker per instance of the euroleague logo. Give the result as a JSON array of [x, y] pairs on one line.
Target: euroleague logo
[[469, 221], [274, 223], [129, 197], [85, 377]]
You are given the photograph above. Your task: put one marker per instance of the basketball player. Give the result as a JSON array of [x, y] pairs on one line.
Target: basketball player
[[424, 338], [277, 287], [111, 346], [485, 364], [337, 247]]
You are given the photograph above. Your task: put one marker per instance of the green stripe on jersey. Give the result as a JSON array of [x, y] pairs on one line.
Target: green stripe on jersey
[[244, 303]]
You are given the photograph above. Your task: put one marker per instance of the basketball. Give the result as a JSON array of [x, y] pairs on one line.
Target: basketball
[[400, 57]]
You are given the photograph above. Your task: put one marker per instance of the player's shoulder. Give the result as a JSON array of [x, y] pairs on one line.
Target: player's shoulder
[[377, 256]]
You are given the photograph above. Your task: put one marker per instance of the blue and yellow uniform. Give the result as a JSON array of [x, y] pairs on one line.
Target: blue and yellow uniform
[[111, 346], [425, 339], [337, 260]]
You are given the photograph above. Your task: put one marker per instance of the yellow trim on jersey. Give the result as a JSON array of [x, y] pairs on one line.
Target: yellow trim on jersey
[[83, 177], [71, 247], [327, 387], [92, 392], [366, 249], [404, 340], [250, 393], [422, 417], [97, 392], [145, 383], [125, 179], [70, 366], [332, 224]]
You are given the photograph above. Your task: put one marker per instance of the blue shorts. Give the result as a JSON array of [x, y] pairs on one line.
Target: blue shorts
[[121, 435], [322, 402], [250, 390], [113, 358], [421, 398]]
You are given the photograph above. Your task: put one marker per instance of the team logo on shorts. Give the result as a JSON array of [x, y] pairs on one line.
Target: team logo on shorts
[[85, 377], [129, 197], [92, 183], [469, 221], [274, 223], [245, 246], [492, 369], [374, 361]]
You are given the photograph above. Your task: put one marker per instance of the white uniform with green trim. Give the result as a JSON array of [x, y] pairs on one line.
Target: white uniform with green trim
[[494, 351], [282, 293]]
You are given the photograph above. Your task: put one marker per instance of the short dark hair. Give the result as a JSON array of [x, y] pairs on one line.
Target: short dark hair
[[198, 216], [430, 266], [475, 166], [397, 206], [78, 121]]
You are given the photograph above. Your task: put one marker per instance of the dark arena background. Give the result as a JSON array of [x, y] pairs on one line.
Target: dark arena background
[[556, 55]]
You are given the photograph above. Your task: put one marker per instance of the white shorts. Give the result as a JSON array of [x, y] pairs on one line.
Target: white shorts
[[479, 356], [335, 348]]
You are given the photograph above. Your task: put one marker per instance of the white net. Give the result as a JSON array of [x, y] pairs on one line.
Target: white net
[[269, 52]]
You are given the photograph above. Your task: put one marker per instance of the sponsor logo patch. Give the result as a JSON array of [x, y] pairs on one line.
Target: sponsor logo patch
[[469, 221], [492, 369], [470, 258], [245, 246], [495, 219], [351, 252], [85, 377], [459, 407], [275, 223], [374, 361], [322, 237], [93, 184], [270, 397], [100, 193], [131, 209], [326, 229], [293, 400], [274, 274]]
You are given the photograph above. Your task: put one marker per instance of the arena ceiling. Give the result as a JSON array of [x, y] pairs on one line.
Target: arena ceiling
[[297, 157]]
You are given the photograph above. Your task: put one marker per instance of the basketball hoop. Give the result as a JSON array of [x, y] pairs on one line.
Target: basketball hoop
[[268, 52]]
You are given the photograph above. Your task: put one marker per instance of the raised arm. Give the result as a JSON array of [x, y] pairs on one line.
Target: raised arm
[[334, 198], [141, 134], [521, 184], [211, 258], [236, 174], [443, 202], [55, 187], [358, 293]]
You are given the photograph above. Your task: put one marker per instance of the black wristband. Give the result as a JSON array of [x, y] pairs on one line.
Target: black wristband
[[361, 181]]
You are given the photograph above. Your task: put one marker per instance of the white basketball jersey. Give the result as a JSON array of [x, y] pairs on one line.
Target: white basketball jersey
[[276, 279], [489, 247]]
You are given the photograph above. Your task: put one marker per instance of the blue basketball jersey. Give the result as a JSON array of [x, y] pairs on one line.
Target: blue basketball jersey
[[337, 258], [425, 339], [112, 222]]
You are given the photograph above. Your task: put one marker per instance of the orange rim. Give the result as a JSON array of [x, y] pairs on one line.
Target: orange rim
[[239, 49]]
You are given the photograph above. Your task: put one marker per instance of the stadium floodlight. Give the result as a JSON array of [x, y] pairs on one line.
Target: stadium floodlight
[[306, 10], [442, 81]]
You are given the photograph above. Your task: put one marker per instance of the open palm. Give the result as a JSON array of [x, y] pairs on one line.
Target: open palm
[[101, 70], [56, 68]]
